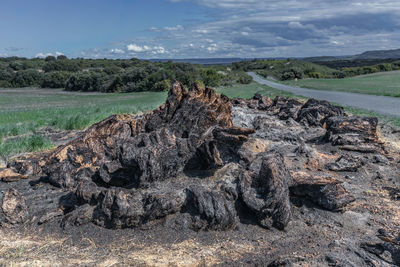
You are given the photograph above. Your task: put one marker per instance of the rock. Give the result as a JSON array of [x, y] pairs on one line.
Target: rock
[[50, 216], [265, 190], [285, 108], [128, 151], [316, 112], [351, 130], [258, 101], [328, 193], [119, 209], [263, 102], [13, 207], [80, 216], [211, 209], [344, 163], [9, 175], [159, 205], [381, 159]]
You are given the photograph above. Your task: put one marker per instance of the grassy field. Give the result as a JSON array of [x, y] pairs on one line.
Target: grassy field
[[383, 83], [248, 91], [24, 111]]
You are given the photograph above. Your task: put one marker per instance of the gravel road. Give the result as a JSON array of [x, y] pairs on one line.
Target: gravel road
[[381, 104]]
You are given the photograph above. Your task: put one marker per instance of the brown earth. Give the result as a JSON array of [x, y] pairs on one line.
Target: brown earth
[[205, 180]]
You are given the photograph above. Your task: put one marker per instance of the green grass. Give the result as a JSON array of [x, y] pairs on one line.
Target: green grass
[[23, 144], [395, 121], [383, 83], [24, 111], [248, 91]]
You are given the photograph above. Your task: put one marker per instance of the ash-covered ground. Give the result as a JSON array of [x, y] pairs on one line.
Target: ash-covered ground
[[207, 180]]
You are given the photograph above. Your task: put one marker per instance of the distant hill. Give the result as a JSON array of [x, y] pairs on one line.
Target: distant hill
[[203, 61], [379, 54], [368, 55], [210, 61]]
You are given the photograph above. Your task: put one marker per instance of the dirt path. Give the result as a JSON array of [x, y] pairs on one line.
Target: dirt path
[[380, 104]]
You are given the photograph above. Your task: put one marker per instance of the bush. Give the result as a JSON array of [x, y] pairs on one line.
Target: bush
[[112, 69], [245, 79], [164, 85], [50, 58], [291, 75], [315, 75], [25, 78], [61, 57], [55, 79], [86, 81], [210, 77], [115, 86], [5, 75], [61, 65]]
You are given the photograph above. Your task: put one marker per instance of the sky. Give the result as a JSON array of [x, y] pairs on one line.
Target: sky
[[197, 28]]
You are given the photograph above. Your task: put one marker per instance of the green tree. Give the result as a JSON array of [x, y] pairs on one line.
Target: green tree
[[210, 77], [55, 79]]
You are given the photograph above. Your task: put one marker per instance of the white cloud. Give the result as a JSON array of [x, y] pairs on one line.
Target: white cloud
[[212, 48], [137, 48], [117, 51], [159, 50], [204, 31], [42, 55], [175, 28]]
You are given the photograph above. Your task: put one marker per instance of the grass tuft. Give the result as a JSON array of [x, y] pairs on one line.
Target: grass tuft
[[23, 144]]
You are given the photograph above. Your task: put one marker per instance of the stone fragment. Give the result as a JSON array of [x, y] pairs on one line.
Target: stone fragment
[[13, 207], [265, 190], [344, 163], [9, 175], [316, 112], [352, 130]]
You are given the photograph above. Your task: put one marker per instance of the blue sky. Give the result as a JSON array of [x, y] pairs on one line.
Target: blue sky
[[196, 28]]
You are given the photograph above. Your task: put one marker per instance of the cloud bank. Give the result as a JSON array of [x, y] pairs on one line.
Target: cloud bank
[[253, 28]]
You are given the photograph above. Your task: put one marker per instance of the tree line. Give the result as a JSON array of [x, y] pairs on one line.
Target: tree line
[[107, 75]]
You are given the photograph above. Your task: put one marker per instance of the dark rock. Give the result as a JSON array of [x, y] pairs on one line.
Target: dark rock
[[326, 192], [50, 216], [344, 163], [258, 101], [381, 159], [265, 190], [316, 112], [13, 208], [285, 108], [8, 175], [351, 130], [211, 209], [80, 216], [127, 151]]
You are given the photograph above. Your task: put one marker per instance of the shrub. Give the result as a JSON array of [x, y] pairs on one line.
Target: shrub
[[25, 78], [115, 86], [50, 58], [210, 77], [86, 81], [245, 79], [55, 79], [112, 69], [162, 85], [315, 75], [61, 65], [61, 57]]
